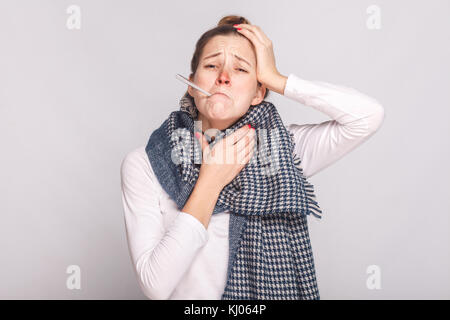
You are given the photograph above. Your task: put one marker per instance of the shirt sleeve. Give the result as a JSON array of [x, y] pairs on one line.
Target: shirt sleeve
[[160, 256], [356, 117]]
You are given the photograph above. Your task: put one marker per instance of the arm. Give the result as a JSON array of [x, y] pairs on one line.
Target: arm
[[202, 201], [160, 256], [356, 117]]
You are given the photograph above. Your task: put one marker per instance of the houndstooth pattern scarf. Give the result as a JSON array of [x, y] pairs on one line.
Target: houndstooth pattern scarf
[[270, 254]]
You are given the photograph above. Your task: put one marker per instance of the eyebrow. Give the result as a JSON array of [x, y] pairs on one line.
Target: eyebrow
[[219, 53]]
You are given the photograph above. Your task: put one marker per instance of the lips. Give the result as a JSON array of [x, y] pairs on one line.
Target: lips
[[219, 94]]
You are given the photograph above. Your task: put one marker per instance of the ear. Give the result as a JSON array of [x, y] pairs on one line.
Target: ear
[[259, 96], [190, 88]]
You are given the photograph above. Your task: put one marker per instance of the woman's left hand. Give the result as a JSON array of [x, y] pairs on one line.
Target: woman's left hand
[[266, 71]]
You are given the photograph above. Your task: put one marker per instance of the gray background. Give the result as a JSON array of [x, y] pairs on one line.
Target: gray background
[[73, 103]]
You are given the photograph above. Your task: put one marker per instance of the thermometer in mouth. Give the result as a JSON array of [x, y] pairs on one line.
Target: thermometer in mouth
[[183, 79]]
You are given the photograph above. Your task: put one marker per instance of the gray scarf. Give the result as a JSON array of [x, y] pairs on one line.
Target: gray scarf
[[270, 254]]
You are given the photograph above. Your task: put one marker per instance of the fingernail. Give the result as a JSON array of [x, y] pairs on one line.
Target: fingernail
[[197, 135], [249, 126], [234, 25], [239, 28]]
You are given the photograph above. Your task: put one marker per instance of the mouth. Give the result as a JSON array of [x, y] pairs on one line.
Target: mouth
[[219, 94]]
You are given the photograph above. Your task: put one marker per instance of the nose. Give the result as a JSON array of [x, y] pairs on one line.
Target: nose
[[223, 78]]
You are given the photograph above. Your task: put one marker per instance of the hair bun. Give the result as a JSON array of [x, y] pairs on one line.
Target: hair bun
[[232, 20]]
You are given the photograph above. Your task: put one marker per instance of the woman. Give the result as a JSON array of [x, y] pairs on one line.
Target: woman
[[221, 230]]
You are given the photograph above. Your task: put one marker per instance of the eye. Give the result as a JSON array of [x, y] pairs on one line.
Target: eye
[[211, 65]]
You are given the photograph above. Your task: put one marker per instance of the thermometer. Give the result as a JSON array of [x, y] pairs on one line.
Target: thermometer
[[183, 79]]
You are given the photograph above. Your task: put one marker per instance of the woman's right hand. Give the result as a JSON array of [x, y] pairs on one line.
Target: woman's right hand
[[223, 162]]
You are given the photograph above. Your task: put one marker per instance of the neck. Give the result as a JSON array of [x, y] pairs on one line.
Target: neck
[[214, 124]]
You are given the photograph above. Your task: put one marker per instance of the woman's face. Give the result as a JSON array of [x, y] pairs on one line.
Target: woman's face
[[228, 66]]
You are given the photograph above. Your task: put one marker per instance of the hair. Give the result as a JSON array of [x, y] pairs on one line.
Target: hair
[[224, 27]]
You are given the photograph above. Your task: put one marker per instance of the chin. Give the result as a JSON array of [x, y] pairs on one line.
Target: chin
[[220, 112]]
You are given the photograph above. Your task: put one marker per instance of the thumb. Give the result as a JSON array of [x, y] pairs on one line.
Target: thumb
[[201, 138]]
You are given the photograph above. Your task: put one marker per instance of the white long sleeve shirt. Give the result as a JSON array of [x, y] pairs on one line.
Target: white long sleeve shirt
[[173, 254]]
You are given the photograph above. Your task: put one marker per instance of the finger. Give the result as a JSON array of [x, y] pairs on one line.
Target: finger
[[241, 150], [250, 148], [237, 135], [256, 31], [248, 139], [251, 36], [245, 143], [263, 37], [243, 158]]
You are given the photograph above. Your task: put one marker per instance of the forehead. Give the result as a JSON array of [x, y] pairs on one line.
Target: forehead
[[233, 44]]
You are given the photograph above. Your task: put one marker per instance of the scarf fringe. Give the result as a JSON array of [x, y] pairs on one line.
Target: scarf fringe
[[311, 203]]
